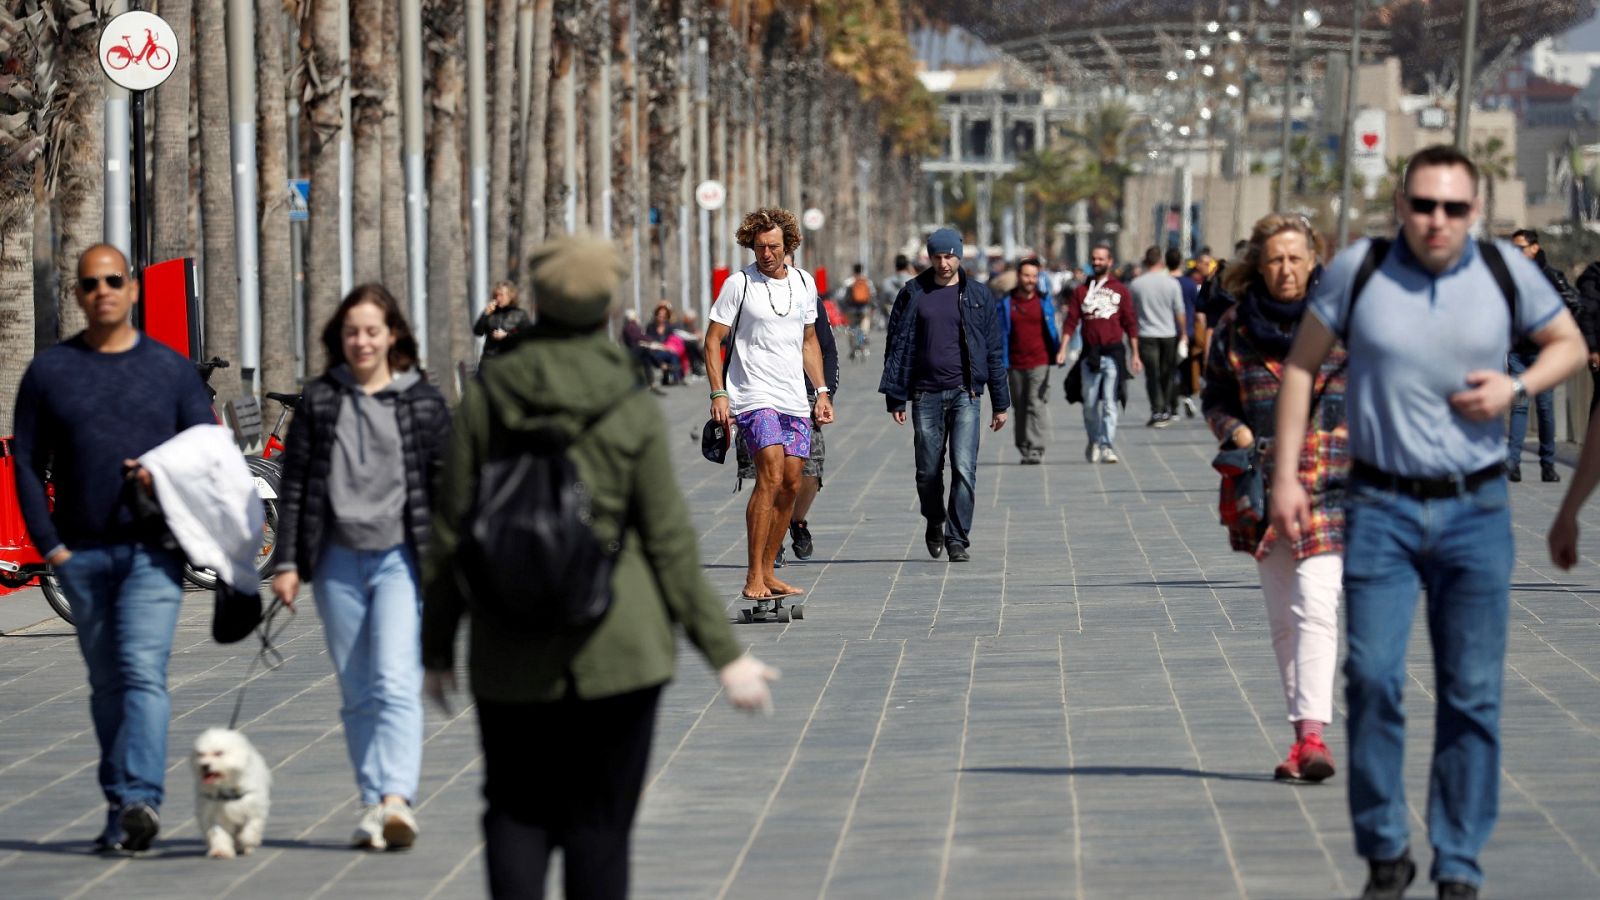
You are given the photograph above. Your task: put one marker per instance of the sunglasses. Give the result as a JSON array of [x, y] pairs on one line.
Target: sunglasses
[[87, 283], [1424, 206]]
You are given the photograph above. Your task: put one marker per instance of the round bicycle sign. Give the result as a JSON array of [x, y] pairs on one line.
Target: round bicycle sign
[[813, 219], [138, 50], [711, 195]]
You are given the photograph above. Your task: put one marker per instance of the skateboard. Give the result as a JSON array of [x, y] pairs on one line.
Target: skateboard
[[770, 608]]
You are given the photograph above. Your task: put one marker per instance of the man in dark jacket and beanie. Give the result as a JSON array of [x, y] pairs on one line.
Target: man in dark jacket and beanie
[[944, 347]]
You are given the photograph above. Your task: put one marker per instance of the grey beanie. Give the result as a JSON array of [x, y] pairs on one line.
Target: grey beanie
[[945, 240], [575, 279]]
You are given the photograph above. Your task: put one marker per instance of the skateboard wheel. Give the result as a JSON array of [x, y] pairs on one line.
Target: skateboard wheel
[[783, 614], [797, 611], [744, 616]]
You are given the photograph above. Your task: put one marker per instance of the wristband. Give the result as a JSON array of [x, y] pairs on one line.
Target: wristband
[[821, 390], [716, 394]]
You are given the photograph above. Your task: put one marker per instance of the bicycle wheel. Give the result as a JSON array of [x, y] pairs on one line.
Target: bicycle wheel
[[266, 554], [118, 58], [53, 595], [159, 58]]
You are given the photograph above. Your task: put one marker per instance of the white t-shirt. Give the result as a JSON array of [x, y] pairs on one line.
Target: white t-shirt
[[768, 368]]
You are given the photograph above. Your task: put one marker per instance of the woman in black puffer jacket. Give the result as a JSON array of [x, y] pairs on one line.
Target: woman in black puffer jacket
[[358, 469]]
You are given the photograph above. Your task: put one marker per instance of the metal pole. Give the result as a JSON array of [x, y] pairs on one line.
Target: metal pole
[[416, 184], [1347, 139], [685, 152], [702, 125], [478, 154], [117, 226], [1469, 56], [297, 237], [240, 36], [1288, 106], [641, 185], [141, 193], [347, 160]]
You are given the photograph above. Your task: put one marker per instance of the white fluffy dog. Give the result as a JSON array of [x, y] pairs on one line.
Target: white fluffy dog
[[231, 785]]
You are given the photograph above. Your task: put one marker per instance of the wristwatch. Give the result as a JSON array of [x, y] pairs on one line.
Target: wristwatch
[[821, 390], [1519, 391]]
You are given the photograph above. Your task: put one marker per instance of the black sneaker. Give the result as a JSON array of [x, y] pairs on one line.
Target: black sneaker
[[141, 825], [1389, 878], [1153, 421], [1457, 890], [1548, 473], [934, 536], [800, 540], [1513, 472], [110, 839], [957, 552]]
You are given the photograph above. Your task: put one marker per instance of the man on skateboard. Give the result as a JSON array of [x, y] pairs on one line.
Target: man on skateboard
[[766, 315]]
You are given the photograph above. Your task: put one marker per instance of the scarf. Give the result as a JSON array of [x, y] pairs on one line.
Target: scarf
[[1270, 324]]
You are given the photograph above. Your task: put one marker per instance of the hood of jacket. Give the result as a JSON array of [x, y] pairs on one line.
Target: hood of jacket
[[557, 377]]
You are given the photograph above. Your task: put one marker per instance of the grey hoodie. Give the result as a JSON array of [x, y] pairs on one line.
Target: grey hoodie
[[367, 475]]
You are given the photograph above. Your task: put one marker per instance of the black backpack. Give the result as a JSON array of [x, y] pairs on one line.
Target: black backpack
[[529, 558]]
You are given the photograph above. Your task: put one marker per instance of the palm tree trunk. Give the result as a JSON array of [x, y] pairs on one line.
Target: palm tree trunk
[[221, 298], [324, 80], [562, 117], [597, 123], [75, 148], [19, 144], [392, 240], [272, 143], [366, 111], [447, 280], [501, 122], [170, 182], [535, 162]]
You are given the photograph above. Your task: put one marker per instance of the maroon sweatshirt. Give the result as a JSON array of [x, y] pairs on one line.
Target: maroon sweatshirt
[[1106, 312]]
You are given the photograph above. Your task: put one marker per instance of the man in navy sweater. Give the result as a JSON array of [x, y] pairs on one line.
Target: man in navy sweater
[[87, 408]]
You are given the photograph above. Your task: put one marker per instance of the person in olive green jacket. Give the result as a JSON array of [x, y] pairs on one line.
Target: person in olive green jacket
[[566, 718]]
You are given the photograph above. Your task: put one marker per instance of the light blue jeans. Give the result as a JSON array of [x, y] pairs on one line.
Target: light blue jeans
[[372, 617], [1100, 401], [125, 600], [1460, 551]]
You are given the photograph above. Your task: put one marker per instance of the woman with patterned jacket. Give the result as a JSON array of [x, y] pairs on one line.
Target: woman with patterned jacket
[[1273, 280]]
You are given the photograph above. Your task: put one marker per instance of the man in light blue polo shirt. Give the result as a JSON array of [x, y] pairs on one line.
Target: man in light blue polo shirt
[[1427, 504]]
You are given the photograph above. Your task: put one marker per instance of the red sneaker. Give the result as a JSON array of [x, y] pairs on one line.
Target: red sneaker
[[1289, 769], [1316, 763]]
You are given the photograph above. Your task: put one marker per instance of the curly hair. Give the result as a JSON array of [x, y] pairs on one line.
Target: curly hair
[[1243, 270], [764, 220]]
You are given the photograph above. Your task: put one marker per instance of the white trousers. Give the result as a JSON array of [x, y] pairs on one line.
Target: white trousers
[[1303, 613]]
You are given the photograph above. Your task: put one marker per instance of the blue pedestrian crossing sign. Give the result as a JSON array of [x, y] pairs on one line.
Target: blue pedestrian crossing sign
[[299, 199]]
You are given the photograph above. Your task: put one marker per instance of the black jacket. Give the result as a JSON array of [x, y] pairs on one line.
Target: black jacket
[[510, 319], [982, 352], [308, 455], [1569, 296], [1588, 312]]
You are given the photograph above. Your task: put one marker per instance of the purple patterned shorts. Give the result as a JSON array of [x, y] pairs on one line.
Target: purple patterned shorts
[[766, 427]]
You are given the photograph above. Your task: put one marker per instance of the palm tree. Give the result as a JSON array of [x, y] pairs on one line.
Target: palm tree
[[272, 141], [503, 73], [396, 257], [74, 139], [367, 64], [221, 299], [1493, 163], [535, 172], [1113, 139], [324, 73], [23, 25], [170, 181], [446, 254]]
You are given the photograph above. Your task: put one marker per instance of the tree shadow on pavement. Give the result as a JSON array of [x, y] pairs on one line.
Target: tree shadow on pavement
[[1123, 771]]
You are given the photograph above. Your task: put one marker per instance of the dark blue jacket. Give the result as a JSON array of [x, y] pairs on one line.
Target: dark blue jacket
[[983, 351], [1052, 334]]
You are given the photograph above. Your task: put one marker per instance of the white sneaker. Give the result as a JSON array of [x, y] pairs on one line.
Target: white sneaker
[[1108, 455], [369, 833], [1189, 407], [1091, 452], [399, 825]]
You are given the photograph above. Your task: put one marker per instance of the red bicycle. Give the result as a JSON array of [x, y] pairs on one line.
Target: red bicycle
[[151, 54], [20, 562]]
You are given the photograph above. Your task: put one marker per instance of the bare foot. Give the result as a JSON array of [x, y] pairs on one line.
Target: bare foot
[[780, 589], [755, 588]]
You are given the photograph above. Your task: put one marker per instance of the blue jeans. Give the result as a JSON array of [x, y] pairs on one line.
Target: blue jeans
[[1100, 401], [372, 617], [125, 599], [1460, 551], [1516, 364], [940, 419]]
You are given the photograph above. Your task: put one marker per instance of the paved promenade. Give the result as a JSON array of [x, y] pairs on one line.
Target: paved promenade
[[1089, 708]]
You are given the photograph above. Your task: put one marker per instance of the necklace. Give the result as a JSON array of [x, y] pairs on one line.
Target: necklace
[[772, 303]]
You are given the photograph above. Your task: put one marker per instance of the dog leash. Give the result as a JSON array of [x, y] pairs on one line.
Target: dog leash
[[268, 654]]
